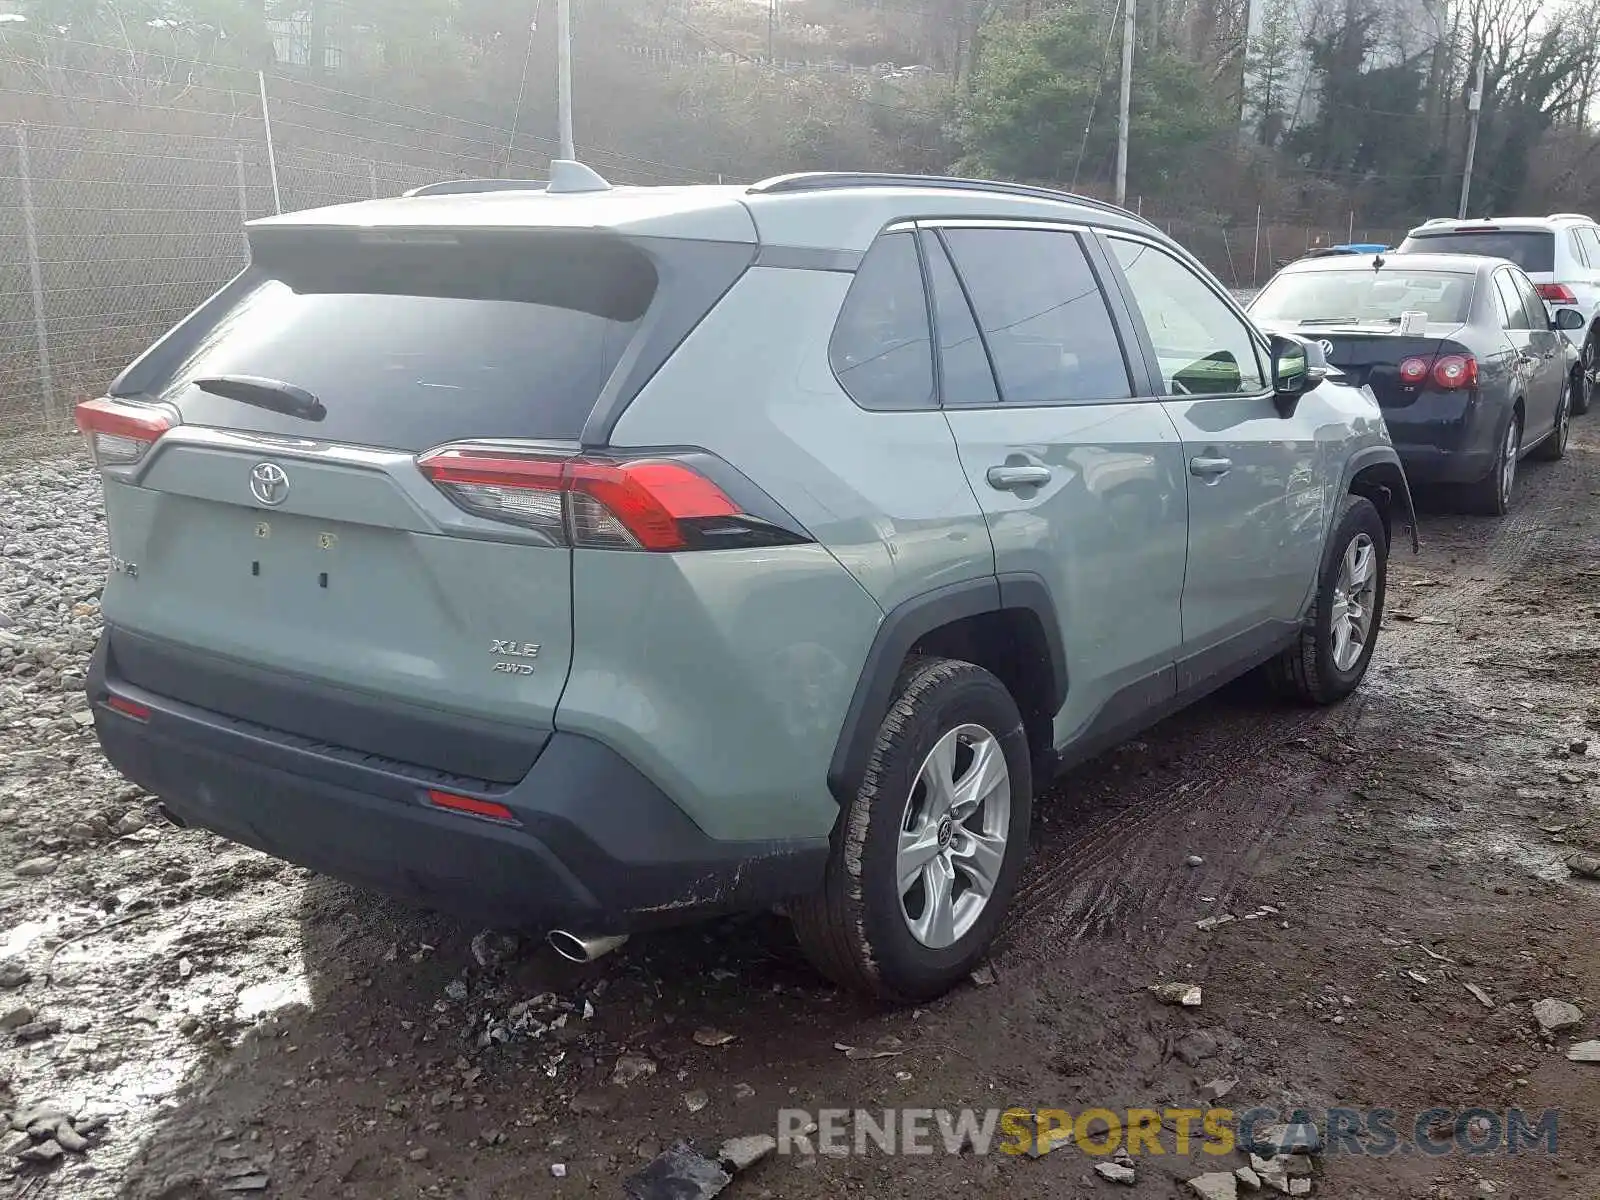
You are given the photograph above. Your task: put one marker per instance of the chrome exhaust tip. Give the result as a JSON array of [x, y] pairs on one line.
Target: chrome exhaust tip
[[576, 948]]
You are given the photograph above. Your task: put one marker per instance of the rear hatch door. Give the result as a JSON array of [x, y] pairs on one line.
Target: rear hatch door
[[294, 567]]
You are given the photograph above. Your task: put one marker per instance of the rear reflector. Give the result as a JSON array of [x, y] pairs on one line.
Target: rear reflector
[[119, 433], [1558, 293], [128, 708], [467, 804], [657, 504]]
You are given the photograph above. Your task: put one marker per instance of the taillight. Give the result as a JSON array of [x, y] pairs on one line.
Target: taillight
[[120, 433], [1413, 371], [1558, 293], [1454, 371], [659, 504]]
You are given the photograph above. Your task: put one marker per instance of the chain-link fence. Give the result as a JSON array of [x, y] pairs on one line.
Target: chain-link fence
[[118, 217], [120, 213]]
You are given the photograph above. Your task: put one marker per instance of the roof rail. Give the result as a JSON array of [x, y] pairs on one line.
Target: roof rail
[[822, 181], [1569, 217], [1437, 221], [462, 187]]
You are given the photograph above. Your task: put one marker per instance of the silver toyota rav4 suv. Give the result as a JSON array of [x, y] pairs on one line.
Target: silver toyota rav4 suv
[[593, 559]]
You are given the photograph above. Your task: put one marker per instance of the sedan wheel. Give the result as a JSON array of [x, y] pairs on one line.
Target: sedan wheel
[[1587, 377], [1508, 462]]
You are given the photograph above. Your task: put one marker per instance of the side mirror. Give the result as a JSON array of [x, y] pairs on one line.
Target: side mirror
[[1568, 320], [1292, 373]]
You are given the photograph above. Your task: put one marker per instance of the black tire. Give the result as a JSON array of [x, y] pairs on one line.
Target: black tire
[[1491, 496], [855, 930], [1587, 376], [1554, 447], [1308, 671]]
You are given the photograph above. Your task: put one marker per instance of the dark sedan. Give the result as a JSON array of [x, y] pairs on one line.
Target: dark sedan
[[1467, 364]]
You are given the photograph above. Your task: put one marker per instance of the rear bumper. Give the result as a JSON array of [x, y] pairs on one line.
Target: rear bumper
[[1432, 464], [1446, 437], [595, 846]]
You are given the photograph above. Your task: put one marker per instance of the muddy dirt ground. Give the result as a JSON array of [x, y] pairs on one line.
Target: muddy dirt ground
[[243, 1028]]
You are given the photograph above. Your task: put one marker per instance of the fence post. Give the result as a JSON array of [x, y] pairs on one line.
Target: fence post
[[244, 196], [1255, 265], [272, 154], [47, 387], [372, 176]]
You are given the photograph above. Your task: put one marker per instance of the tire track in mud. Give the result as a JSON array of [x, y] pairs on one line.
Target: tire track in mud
[[1120, 872]]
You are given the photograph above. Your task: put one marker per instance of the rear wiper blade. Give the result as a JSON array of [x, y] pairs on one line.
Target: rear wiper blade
[[1331, 321], [265, 393]]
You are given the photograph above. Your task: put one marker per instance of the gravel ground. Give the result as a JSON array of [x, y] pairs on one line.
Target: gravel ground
[[213, 1023]]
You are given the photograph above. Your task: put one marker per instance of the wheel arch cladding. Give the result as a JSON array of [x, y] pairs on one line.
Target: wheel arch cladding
[[1006, 624], [1376, 473]]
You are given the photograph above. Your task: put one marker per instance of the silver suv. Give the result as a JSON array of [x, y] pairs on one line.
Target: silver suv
[[594, 559]]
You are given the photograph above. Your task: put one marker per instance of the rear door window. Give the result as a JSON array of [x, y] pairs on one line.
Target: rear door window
[[411, 344], [882, 350], [1513, 315], [1531, 249], [1043, 317], [1590, 238], [1538, 316], [965, 376]]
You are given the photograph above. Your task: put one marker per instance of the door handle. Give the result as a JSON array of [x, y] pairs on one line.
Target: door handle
[[1009, 479], [1210, 468], [1527, 360]]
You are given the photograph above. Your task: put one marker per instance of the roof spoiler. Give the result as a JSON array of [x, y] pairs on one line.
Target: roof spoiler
[[566, 178]]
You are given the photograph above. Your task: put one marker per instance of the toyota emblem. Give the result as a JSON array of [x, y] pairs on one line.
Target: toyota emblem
[[269, 484]]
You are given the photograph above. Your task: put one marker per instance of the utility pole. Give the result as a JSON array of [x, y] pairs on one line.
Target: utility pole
[[1474, 111], [564, 76], [1128, 34], [772, 31]]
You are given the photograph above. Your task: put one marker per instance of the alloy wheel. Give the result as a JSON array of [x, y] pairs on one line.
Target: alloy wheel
[[1508, 460], [953, 836], [1355, 595]]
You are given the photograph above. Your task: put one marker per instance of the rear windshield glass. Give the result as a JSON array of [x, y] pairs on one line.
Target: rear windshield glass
[[1358, 297], [1531, 250], [409, 344]]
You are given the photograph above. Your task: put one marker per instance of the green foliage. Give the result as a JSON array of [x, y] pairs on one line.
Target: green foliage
[[1037, 85], [1271, 60]]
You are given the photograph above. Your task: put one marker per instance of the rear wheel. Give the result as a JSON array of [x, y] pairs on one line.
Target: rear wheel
[[1334, 650], [1587, 377], [1492, 494], [926, 855], [1555, 446]]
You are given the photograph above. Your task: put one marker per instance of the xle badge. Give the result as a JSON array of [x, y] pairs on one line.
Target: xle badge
[[509, 649]]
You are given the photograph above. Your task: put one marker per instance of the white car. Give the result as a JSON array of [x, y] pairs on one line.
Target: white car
[[1560, 253]]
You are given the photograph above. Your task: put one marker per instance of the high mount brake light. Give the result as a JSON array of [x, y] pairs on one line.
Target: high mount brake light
[[119, 433], [653, 504]]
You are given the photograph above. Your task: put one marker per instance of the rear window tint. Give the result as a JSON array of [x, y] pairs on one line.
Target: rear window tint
[[1532, 250], [881, 351], [1359, 296], [409, 344]]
